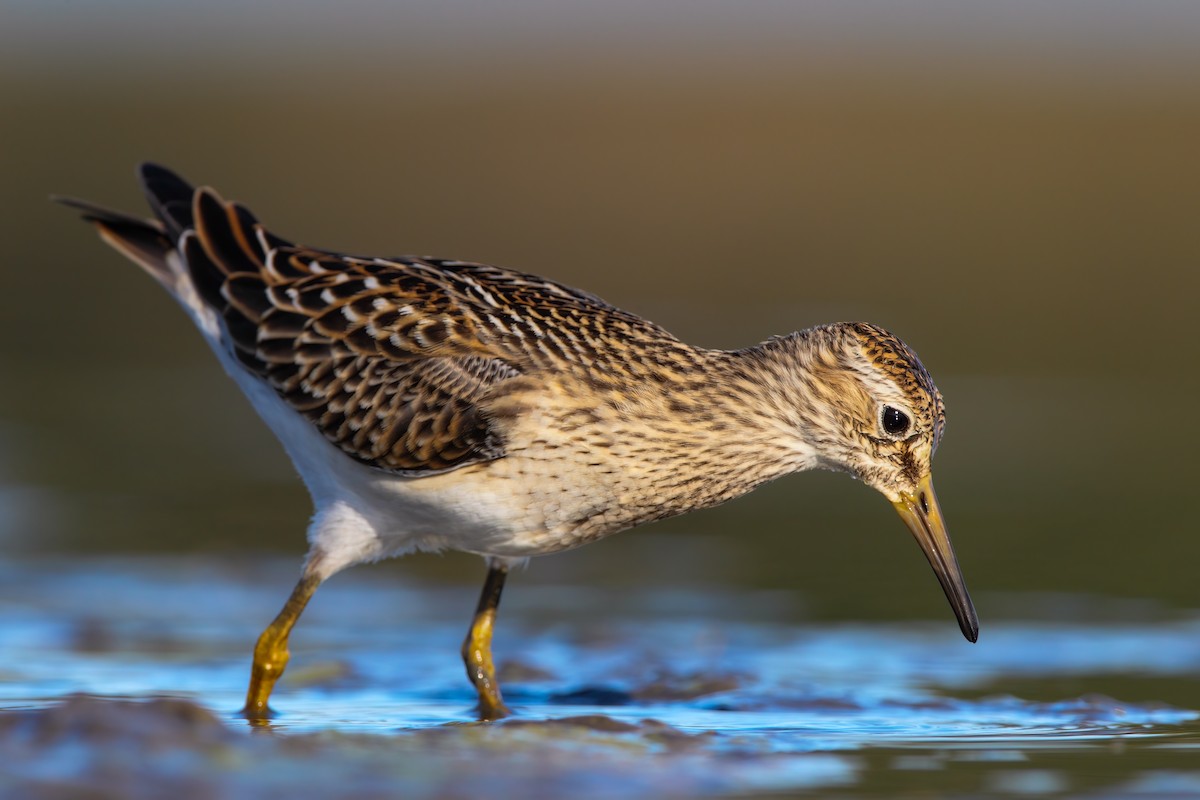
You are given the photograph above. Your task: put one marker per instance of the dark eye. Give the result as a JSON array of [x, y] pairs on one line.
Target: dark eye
[[895, 421]]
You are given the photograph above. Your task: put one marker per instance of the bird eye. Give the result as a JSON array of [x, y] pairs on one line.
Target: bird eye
[[894, 421]]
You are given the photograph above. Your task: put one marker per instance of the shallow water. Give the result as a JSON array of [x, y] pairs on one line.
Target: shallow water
[[651, 693]]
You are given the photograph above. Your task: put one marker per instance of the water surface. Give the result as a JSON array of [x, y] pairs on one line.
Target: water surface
[[679, 692]]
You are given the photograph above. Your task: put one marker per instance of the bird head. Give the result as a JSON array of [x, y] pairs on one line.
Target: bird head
[[880, 417]]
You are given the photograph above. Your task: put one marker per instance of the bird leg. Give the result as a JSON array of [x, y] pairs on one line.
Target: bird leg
[[271, 651], [477, 648]]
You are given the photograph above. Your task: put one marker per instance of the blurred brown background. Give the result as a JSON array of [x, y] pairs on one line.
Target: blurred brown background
[[1011, 187]]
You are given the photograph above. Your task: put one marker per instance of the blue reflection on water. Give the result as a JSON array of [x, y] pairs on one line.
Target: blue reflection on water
[[663, 694], [373, 656]]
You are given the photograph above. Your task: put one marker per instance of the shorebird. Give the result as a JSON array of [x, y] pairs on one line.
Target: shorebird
[[433, 404]]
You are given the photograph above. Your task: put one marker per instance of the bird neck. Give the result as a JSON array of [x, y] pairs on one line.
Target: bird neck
[[799, 391]]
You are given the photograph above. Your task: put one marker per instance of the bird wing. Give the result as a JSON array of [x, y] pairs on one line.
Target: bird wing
[[395, 361], [410, 365]]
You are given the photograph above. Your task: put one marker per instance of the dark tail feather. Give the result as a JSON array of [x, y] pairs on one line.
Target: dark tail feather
[[170, 197], [143, 241], [147, 242], [217, 239]]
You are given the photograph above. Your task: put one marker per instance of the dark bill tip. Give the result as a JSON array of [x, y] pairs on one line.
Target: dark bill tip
[[923, 517]]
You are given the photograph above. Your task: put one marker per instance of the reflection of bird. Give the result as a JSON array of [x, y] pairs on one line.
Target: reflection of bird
[[432, 404]]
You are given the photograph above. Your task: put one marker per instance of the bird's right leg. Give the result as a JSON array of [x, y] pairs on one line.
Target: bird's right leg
[[271, 651]]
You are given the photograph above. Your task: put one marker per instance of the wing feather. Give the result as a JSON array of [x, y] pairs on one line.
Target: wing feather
[[371, 356], [398, 362]]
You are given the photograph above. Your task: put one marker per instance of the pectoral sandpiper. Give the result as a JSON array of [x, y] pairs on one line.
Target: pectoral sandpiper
[[434, 404]]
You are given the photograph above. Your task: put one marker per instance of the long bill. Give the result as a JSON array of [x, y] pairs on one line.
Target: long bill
[[923, 516]]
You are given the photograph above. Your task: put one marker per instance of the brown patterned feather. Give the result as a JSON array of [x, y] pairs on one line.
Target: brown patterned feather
[[889, 354], [394, 361]]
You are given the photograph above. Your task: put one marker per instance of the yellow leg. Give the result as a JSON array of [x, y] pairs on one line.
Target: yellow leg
[[477, 649], [271, 652]]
